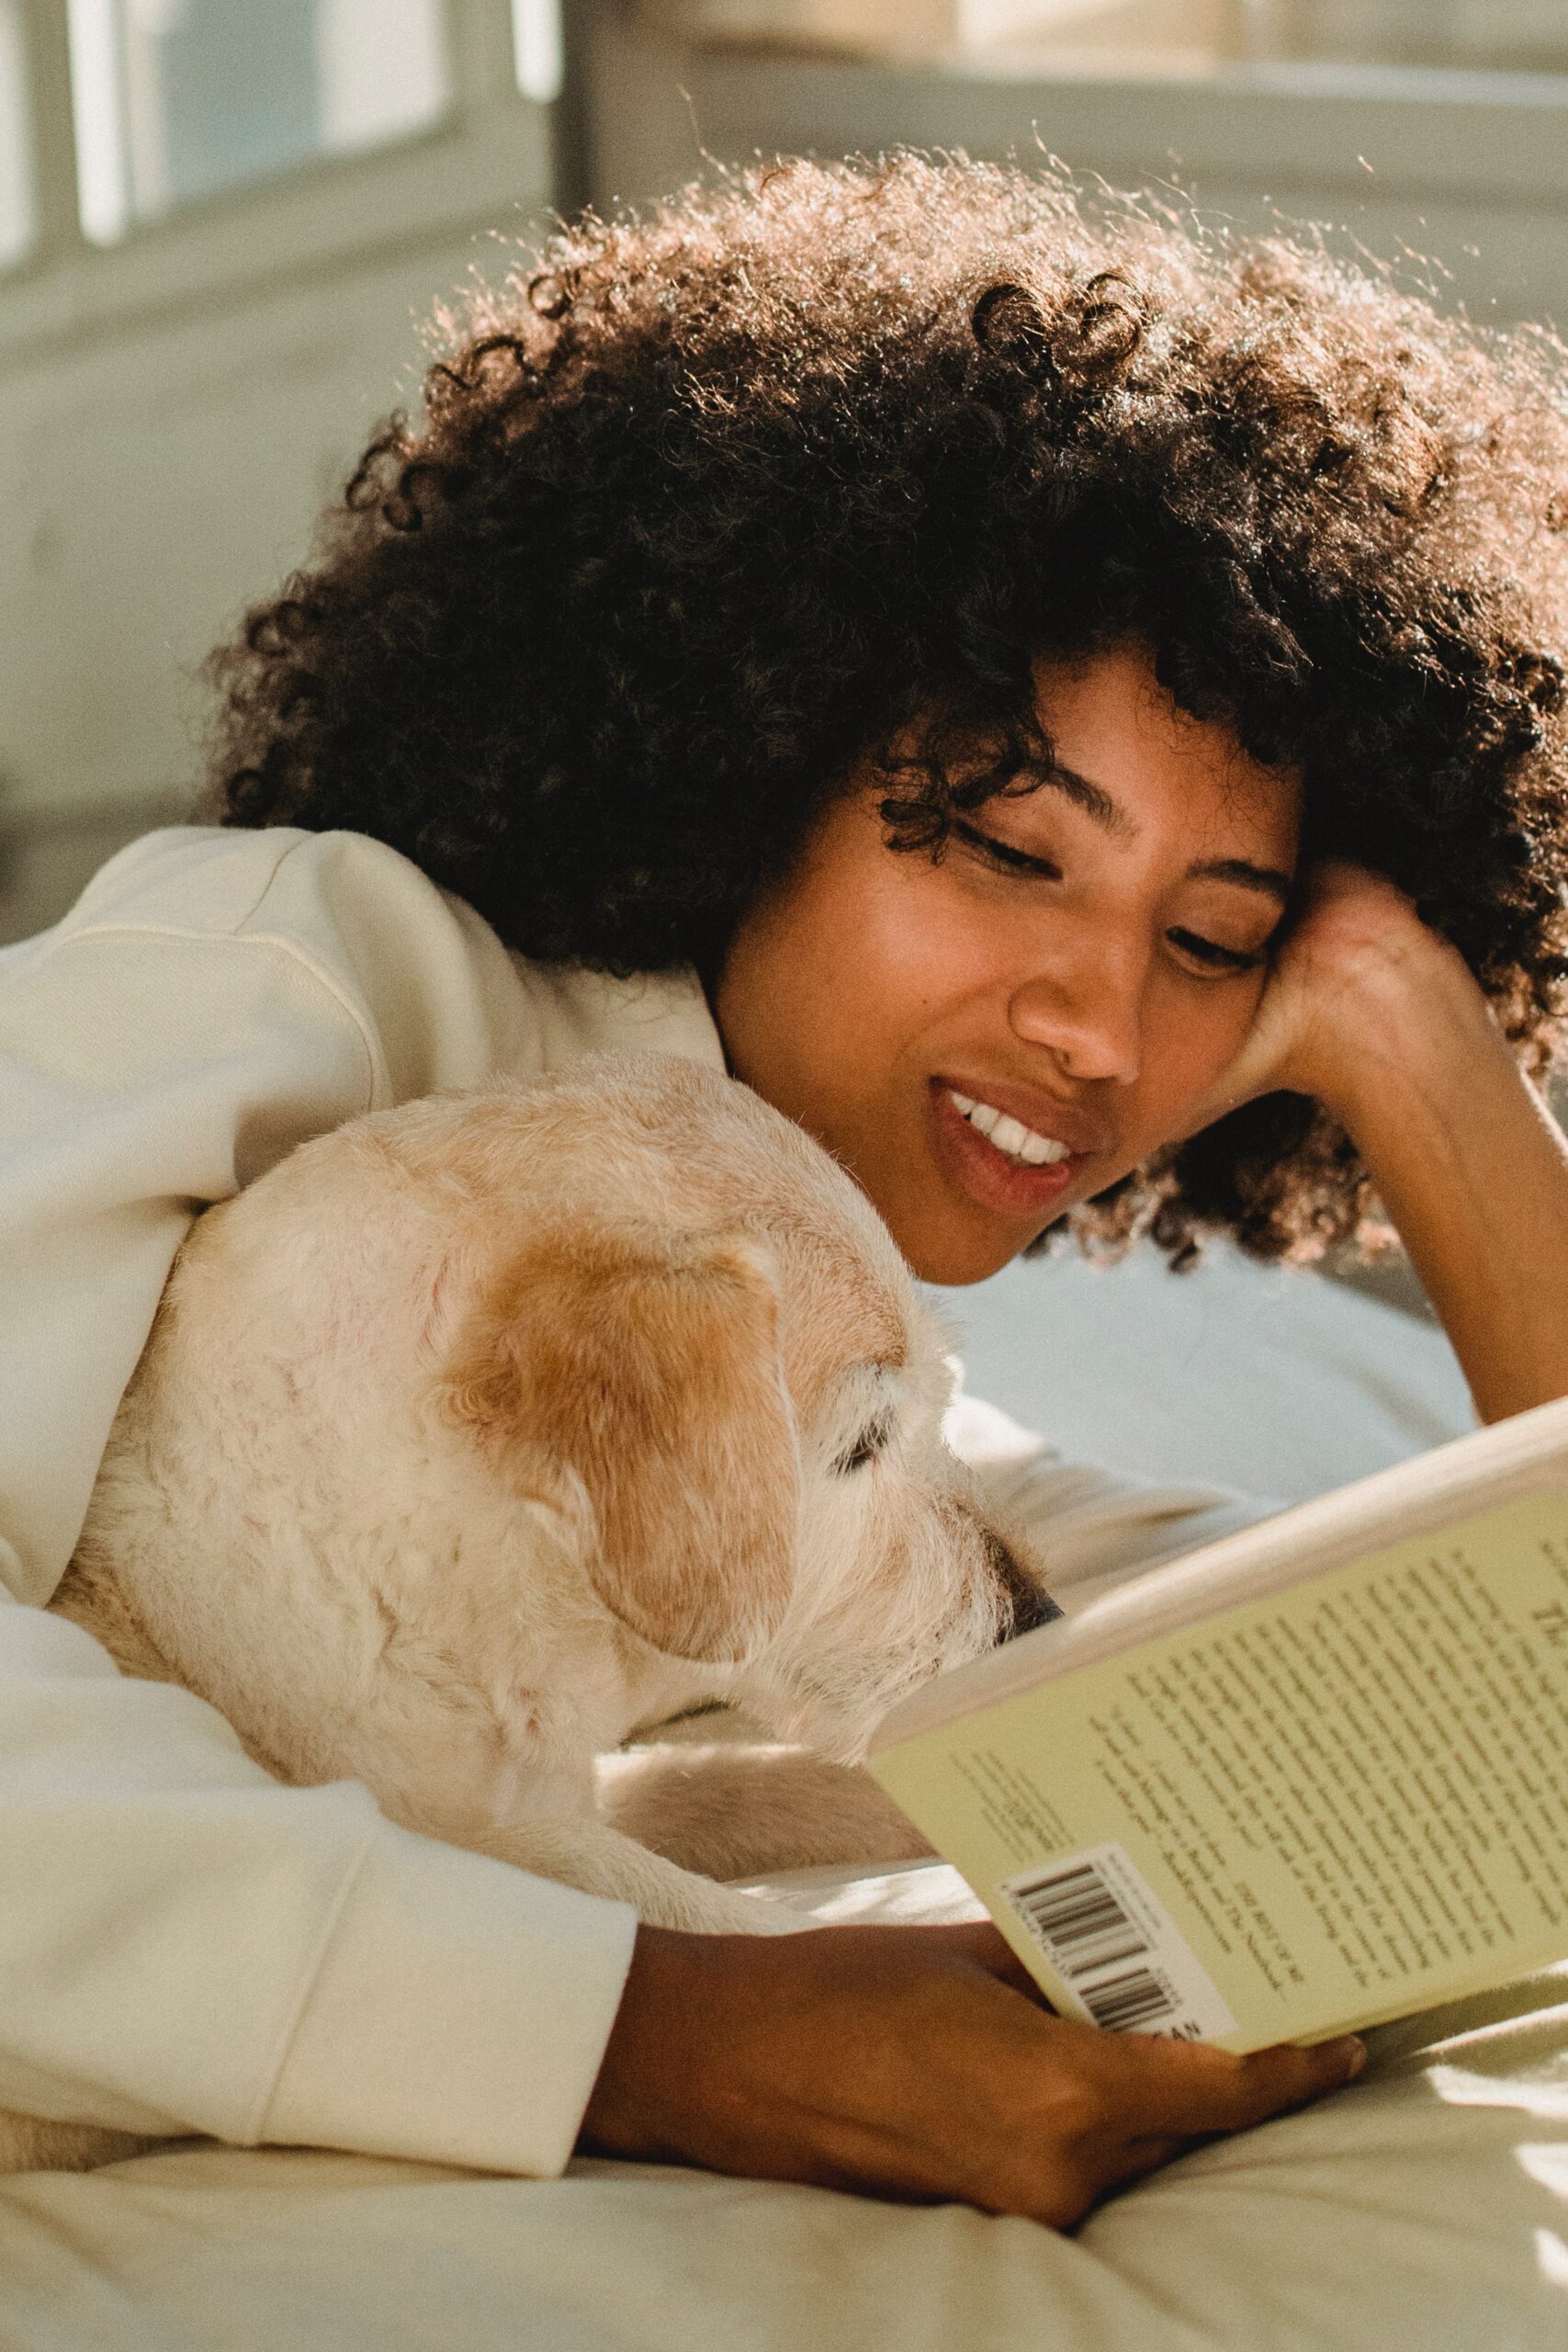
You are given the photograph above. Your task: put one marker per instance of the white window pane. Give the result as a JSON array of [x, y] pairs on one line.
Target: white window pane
[[103, 175], [181, 98], [380, 70], [15, 142], [537, 45]]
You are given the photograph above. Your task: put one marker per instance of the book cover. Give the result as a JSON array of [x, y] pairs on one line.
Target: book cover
[[1336, 1801]]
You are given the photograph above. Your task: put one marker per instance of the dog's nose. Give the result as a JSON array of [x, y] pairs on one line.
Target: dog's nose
[[1030, 1603]]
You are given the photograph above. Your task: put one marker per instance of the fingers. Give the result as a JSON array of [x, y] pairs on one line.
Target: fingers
[[1288, 2077], [1200, 2089], [1270, 2081], [1192, 2089], [985, 1945], [898, 2060], [1159, 2099]]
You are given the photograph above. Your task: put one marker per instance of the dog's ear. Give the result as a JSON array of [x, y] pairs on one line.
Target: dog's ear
[[651, 1368]]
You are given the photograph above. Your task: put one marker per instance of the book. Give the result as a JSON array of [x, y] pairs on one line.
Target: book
[[1306, 1780]]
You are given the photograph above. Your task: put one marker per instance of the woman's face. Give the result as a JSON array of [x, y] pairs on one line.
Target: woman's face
[[1083, 963]]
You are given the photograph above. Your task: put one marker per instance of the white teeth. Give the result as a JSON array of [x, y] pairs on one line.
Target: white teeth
[[1009, 1135]]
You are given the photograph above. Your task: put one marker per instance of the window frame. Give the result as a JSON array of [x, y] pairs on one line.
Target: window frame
[[1279, 125], [488, 160], [1392, 161]]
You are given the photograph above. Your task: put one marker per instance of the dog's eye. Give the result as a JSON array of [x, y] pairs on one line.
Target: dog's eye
[[871, 1442]]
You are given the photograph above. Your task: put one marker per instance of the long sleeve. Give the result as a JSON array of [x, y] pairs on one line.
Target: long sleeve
[[183, 1943], [1091, 1527]]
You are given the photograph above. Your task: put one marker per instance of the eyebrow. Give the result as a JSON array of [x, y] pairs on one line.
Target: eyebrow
[[1091, 799], [1098, 804], [1265, 878]]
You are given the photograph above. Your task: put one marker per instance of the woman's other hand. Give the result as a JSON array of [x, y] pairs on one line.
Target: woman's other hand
[[1377, 1016], [914, 2062], [1356, 976]]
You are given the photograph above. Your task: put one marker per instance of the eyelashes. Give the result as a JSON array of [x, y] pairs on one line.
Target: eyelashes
[[1222, 959], [1010, 860]]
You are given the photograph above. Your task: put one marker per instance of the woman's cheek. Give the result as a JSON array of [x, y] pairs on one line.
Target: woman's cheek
[[1200, 1047]]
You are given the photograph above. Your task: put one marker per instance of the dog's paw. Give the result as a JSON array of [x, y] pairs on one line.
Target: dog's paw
[[744, 1809], [600, 1861]]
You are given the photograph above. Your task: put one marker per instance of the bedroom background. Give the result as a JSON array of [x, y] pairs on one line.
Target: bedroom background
[[222, 220]]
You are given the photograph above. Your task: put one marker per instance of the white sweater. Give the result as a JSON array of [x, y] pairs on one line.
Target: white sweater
[[185, 1945]]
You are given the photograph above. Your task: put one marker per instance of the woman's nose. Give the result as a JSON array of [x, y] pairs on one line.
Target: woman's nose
[[1086, 1010]]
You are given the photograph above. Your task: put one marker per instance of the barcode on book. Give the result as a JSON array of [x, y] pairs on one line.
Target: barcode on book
[[1124, 1962]]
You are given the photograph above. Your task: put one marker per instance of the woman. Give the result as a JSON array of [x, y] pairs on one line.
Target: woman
[[1073, 716]]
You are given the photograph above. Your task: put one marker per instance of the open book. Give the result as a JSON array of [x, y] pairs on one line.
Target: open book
[[1310, 1778]]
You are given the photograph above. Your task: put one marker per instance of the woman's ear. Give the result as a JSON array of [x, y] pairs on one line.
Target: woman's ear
[[649, 1365]]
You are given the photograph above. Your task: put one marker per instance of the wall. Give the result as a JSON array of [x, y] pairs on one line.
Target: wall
[[173, 413]]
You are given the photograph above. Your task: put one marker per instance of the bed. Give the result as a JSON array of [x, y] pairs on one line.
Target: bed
[[1424, 2210]]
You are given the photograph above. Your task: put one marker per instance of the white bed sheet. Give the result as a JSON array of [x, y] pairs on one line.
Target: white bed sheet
[[1424, 2210], [1266, 1378]]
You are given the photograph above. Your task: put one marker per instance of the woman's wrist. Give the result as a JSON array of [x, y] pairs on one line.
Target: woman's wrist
[[1420, 1029], [1474, 1171], [1378, 1018], [650, 2089]]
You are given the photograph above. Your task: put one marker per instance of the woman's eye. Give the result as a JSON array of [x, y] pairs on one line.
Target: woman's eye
[[1002, 854], [1221, 961], [1216, 959]]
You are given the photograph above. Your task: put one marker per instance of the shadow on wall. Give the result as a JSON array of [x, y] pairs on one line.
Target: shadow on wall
[[47, 860]]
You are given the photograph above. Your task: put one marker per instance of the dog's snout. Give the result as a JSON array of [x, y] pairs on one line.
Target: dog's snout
[[1030, 1604]]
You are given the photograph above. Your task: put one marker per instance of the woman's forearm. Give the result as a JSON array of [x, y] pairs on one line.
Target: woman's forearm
[[1474, 1172]]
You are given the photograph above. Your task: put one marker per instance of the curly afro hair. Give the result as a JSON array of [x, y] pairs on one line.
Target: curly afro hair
[[706, 510]]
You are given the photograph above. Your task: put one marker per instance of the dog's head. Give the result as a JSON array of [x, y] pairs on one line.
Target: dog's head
[[634, 1306], [691, 1312]]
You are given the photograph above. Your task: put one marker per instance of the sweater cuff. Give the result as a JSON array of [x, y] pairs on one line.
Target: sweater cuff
[[458, 2015]]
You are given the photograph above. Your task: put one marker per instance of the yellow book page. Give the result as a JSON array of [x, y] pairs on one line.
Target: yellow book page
[[1337, 1804]]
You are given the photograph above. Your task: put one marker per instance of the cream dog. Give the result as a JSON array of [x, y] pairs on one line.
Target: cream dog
[[480, 1435]]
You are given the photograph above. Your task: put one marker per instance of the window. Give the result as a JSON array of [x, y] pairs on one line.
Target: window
[[179, 98], [1170, 38], [1111, 35], [536, 46], [15, 147], [1520, 36]]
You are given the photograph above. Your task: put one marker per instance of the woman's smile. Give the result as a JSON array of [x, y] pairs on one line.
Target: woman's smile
[[1007, 1154], [992, 1036]]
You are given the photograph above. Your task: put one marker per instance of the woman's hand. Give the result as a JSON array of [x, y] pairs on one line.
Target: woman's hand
[[911, 2063], [1373, 1014], [1357, 975]]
